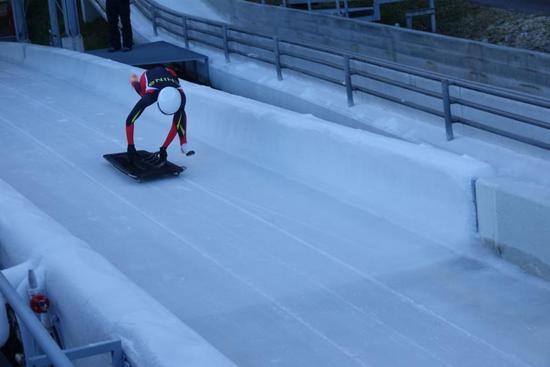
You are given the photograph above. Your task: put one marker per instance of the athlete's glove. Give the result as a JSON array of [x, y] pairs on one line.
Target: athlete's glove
[[188, 152]]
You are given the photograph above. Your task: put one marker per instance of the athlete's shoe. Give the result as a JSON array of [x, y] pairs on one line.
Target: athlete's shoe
[[132, 153], [158, 159]]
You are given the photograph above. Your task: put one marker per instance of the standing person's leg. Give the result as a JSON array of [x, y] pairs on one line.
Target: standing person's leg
[[112, 19], [124, 11]]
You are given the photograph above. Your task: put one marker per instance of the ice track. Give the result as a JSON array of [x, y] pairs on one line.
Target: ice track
[[268, 270]]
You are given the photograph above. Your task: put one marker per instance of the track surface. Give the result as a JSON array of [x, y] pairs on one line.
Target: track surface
[[271, 272]]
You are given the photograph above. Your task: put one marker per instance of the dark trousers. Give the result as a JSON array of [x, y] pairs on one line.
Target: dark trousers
[[116, 9]]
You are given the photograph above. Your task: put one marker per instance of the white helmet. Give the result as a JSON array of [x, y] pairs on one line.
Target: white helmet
[[169, 100]]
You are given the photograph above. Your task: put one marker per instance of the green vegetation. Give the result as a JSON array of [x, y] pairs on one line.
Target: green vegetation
[[38, 22], [462, 18], [95, 34]]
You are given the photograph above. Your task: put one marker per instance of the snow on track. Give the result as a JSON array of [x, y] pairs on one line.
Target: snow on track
[[268, 270]]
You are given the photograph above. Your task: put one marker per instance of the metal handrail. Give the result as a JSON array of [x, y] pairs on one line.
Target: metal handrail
[[154, 11], [35, 327], [32, 330]]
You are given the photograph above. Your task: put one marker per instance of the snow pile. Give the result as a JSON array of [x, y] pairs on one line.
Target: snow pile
[[421, 188], [94, 300]]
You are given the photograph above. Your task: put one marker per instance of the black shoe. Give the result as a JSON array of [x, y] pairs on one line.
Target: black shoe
[[158, 159], [133, 156], [163, 157], [114, 49], [131, 150], [126, 49]]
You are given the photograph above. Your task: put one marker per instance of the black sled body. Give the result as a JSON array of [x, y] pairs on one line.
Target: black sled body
[[142, 171]]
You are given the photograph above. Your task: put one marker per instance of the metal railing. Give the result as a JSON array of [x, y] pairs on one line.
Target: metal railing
[[339, 7], [29, 319], [355, 72], [53, 354]]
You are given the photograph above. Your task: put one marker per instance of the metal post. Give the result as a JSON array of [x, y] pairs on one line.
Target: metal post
[[277, 54], [285, 4], [19, 20], [226, 43], [376, 10], [117, 356], [185, 30], [434, 25], [309, 5], [72, 26], [155, 30], [29, 319], [409, 21], [70, 16], [114, 347], [349, 87], [346, 8], [55, 34], [89, 13], [447, 110]]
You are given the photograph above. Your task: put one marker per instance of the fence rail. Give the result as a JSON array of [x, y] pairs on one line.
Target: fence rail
[[53, 354], [348, 70], [27, 317]]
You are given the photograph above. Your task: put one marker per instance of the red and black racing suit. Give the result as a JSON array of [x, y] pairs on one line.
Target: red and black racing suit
[[148, 87]]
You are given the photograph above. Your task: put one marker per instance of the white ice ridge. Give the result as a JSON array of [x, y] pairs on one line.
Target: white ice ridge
[[95, 301]]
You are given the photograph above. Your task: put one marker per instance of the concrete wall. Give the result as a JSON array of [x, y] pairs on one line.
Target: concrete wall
[[514, 220], [248, 85], [502, 66]]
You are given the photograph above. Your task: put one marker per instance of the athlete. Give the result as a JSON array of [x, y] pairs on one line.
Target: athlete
[[160, 85]]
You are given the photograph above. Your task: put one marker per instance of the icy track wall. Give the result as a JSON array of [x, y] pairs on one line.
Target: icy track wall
[[96, 302], [418, 187]]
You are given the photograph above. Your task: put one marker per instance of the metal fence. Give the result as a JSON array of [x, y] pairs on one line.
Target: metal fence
[[53, 354], [456, 101], [339, 7]]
